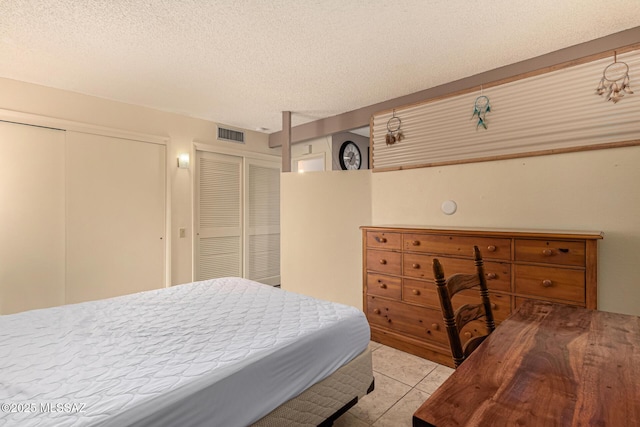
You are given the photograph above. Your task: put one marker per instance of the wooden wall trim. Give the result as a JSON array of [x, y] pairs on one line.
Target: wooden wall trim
[[514, 156]]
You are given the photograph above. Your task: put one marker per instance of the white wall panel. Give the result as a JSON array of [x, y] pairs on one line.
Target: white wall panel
[[32, 209], [558, 110], [115, 201]]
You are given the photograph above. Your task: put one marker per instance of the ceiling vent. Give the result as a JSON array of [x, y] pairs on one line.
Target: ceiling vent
[[231, 135]]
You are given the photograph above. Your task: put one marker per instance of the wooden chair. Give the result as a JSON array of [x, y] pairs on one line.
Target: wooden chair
[[456, 320]]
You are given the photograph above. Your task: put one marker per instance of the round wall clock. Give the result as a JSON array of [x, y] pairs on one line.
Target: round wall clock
[[350, 157]]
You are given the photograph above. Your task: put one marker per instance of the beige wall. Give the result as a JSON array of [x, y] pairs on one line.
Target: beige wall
[[321, 212], [594, 190], [321, 244], [181, 131]]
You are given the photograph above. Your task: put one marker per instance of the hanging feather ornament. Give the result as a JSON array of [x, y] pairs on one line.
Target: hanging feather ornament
[[480, 109], [394, 134], [615, 81]]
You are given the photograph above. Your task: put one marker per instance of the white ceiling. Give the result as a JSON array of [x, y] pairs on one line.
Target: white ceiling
[[241, 63]]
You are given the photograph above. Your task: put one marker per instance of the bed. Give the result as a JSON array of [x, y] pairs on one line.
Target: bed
[[224, 352]]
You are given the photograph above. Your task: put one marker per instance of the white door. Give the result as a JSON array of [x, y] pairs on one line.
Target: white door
[[115, 216], [262, 221], [218, 243], [32, 210]]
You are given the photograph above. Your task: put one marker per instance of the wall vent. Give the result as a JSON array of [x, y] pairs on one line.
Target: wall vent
[[231, 135]]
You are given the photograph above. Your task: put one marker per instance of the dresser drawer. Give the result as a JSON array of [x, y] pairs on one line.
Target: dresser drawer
[[551, 252], [549, 282], [384, 261], [425, 293], [384, 240], [420, 322], [490, 248], [384, 286], [498, 274], [420, 292]]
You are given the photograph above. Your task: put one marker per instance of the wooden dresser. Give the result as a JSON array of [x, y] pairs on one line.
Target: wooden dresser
[[400, 298]]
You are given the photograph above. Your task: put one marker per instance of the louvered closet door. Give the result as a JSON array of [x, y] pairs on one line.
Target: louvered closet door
[[218, 216], [262, 221]]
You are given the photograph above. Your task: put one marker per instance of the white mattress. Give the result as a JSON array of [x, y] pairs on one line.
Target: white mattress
[[223, 352]]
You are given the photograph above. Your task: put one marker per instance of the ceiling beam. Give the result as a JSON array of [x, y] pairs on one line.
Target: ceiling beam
[[359, 118], [286, 141]]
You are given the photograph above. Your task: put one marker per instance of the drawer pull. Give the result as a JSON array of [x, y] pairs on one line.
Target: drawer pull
[[416, 292], [493, 306], [491, 248], [383, 286], [435, 326], [381, 239], [467, 334], [491, 276], [376, 310], [547, 283], [383, 261], [547, 252], [416, 243], [415, 265]]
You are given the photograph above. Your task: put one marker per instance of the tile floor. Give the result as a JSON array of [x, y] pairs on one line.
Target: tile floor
[[403, 383]]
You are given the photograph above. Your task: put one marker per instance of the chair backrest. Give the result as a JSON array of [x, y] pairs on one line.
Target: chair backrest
[[456, 320]]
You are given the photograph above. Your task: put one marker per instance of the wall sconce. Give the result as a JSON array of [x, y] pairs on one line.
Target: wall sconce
[[183, 161]]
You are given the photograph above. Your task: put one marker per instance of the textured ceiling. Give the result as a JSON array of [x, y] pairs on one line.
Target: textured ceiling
[[243, 62]]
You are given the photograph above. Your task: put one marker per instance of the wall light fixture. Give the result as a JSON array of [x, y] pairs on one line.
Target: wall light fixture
[[183, 161]]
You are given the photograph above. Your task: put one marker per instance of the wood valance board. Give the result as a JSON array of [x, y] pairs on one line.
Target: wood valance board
[[548, 112]]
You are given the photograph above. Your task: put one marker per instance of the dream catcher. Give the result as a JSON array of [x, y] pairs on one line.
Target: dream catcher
[[394, 134], [480, 109], [615, 81]]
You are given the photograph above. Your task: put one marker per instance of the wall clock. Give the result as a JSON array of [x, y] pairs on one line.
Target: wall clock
[[350, 157]]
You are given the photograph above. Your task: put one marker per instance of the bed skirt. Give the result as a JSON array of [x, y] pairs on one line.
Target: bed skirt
[[325, 399]]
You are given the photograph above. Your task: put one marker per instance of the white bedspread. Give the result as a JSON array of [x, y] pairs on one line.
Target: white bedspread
[[222, 352]]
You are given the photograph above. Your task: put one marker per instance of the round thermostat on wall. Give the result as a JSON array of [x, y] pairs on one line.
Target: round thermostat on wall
[[350, 156], [449, 207]]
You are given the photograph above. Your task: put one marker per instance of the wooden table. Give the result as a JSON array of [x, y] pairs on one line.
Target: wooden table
[[546, 365]]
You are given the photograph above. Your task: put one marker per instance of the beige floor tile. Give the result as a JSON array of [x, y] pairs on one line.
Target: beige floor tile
[[400, 414], [435, 379], [350, 420], [401, 366], [386, 393], [374, 345]]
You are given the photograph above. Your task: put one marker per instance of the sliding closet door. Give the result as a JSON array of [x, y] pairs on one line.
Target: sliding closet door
[[115, 216], [32, 210], [262, 221], [218, 244]]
